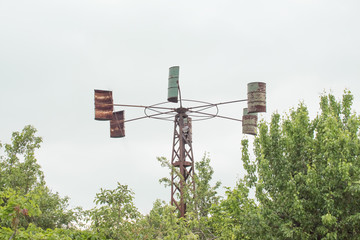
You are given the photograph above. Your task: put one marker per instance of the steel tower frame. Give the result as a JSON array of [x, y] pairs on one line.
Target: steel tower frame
[[182, 162]]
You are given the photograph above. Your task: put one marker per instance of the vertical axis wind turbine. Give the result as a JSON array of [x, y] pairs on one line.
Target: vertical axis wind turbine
[[182, 157]]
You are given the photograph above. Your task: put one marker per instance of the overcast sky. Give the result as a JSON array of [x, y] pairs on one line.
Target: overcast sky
[[54, 53]]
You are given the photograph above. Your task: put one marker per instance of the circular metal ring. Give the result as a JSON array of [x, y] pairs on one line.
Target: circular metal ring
[[203, 113]]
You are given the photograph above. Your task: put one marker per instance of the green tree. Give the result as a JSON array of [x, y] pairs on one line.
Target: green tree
[[21, 173], [205, 194], [306, 173], [19, 168], [115, 214], [200, 200], [55, 211], [15, 207], [236, 216], [163, 223], [35, 233]]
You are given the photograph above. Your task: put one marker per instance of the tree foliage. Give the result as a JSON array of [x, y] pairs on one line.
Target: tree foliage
[[304, 175], [237, 216], [19, 168], [205, 194], [307, 172], [199, 201], [24, 196], [163, 223], [115, 213]]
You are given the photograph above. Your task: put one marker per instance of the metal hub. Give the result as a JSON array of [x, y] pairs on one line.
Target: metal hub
[[181, 110]]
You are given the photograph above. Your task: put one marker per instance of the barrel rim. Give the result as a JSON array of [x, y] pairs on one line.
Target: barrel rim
[[256, 82], [102, 91]]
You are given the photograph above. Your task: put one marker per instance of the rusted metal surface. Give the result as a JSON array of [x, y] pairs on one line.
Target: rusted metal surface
[[187, 129], [173, 87], [182, 159], [249, 122], [256, 97], [103, 105], [186, 164], [117, 126]]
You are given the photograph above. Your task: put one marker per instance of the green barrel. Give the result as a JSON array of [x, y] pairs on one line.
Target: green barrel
[[249, 122], [256, 97], [173, 84]]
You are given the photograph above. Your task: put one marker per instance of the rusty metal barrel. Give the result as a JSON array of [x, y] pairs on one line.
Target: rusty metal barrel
[[103, 105], [173, 85], [249, 122], [117, 126], [256, 97]]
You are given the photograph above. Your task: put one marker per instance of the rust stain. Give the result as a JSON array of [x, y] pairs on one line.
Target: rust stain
[[256, 97], [117, 126], [249, 122], [103, 105]]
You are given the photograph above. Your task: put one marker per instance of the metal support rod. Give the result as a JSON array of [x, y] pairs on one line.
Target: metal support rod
[[216, 104], [219, 116], [180, 96], [148, 116], [141, 106]]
